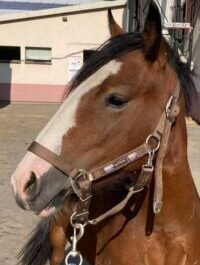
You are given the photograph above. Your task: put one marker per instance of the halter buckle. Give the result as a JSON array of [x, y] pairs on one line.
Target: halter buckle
[[172, 109], [74, 181]]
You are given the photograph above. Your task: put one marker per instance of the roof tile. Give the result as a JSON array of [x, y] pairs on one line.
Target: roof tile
[[13, 6]]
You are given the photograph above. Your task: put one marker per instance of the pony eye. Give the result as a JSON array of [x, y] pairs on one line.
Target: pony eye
[[115, 101]]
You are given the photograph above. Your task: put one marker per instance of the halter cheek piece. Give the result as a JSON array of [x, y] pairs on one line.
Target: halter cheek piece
[[81, 180]]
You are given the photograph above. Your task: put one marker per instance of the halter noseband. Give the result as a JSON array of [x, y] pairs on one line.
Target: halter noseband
[[81, 180]]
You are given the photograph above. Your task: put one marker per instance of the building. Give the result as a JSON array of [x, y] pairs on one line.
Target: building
[[41, 50], [10, 6]]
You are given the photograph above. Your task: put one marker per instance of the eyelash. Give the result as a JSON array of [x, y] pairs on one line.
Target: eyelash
[[115, 101]]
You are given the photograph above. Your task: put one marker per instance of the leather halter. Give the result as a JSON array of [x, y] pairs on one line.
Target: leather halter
[[81, 180]]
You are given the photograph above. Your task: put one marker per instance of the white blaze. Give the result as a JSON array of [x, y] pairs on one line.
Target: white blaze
[[64, 119]]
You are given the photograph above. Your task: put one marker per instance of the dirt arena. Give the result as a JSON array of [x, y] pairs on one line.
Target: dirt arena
[[19, 125]]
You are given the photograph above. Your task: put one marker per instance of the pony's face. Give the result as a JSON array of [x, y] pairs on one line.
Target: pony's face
[[108, 113]]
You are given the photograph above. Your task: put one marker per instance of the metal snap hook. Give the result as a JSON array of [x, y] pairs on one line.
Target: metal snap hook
[[71, 259], [74, 257]]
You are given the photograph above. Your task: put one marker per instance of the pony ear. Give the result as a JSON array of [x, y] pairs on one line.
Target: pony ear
[[114, 28], [152, 33]]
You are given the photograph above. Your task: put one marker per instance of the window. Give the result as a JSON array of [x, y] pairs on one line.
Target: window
[[38, 55], [9, 54]]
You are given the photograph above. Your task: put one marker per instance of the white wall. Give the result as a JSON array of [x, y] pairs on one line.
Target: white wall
[[84, 30]]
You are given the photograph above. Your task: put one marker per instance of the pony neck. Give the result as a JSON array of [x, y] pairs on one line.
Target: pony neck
[[180, 198]]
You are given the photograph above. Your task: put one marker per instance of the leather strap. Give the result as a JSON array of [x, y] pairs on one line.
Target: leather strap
[[158, 190], [49, 156], [143, 179], [117, 208], [119, 162]]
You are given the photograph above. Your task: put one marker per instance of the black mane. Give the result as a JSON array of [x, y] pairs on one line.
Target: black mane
[[38, 248], [110, 50], [185, 77], [120, 45]]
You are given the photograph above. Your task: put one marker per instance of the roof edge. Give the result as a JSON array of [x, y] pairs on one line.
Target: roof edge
[[62, 10]]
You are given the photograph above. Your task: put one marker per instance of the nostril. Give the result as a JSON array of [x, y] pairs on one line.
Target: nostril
[[32, 186], [31, 183]]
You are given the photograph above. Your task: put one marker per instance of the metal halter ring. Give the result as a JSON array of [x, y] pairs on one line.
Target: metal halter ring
[[73, 222], [151, 149], [74, 255]]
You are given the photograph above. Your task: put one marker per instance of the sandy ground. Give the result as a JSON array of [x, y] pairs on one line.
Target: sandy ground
[[19, 125]]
